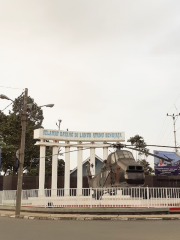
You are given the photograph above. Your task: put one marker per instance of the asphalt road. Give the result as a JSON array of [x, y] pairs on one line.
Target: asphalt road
[[19, 229]]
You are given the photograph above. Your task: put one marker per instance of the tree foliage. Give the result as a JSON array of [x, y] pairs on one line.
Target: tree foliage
[[10, 132], [9, 129], [61, 166], [34, 170], [139, 143], [147, 169]]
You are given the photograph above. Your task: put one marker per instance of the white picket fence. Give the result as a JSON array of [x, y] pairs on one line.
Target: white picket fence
[[106, 197]]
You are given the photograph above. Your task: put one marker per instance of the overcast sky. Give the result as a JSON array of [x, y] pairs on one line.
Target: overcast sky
[[106, 65]]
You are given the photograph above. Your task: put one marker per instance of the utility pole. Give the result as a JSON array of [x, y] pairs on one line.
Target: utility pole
[[59, 125], [59, 120], [174, 121], [21, 159], [0, 160]]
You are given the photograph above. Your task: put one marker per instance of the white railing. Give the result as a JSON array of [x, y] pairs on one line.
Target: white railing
[[86, 197]]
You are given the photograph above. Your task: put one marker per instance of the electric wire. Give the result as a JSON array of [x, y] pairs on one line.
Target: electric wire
[[81, 149], [168, 135], [12, 102], [161, 146], [11, 87], [176, 109], [67, 152], [159, 138], [167, 127], [161, 129], [177, 129], [7, 107]]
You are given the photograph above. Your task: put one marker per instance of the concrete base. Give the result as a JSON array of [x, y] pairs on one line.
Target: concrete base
[[99, 211]]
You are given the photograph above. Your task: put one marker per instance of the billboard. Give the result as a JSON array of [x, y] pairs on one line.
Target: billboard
[[170, 166]]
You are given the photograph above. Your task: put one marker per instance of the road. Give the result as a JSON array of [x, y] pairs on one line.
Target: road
[[19, 229]]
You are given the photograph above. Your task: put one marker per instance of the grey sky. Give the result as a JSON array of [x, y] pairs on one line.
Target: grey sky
[[106, 65]]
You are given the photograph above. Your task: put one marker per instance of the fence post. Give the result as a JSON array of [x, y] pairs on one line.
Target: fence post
[[91, 197], [166, 198], [147, 189]]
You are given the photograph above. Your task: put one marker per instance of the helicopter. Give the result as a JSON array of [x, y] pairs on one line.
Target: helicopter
[[119, 170]]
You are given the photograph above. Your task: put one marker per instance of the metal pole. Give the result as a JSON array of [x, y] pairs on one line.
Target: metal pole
[[21, 160], [174, 133], [174, 121], [59, 149], [0, 159], [59, 120]]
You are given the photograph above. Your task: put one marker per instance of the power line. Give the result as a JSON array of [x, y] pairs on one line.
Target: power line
[[163, 134], [177, 129], [12, 102], [66, 152], [81, 149], [7, 107], [160, 134], [174, 117], [161, 130], [11, 87], [168, 135]]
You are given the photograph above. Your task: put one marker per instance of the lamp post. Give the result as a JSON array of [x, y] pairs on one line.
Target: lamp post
[[174, 121], [59, 120], [21, 159], [2, 96], [21, 155]]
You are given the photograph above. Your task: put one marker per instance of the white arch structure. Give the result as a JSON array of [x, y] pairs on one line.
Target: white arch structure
[[70, 139]]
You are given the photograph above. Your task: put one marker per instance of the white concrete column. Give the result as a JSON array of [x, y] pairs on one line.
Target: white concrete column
[[79, 171], [67, 171], [54, 170], [92, 160], [105, 153], [42, 169]]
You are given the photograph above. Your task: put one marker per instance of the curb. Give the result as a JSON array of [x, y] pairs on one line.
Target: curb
[[95, 211], [91, 218]]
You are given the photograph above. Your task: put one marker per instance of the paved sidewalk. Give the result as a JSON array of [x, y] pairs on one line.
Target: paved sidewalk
[[48, 216]]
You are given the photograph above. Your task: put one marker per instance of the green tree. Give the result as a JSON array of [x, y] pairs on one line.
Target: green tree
[[61, 167], [8, 128], [33, 169], [60, 170], [139, 143], [147, 169], [48, 163], [10, 131]]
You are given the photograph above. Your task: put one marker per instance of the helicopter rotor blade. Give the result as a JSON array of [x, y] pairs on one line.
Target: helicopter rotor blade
[[117, 145], [154, 155], [76, 144], [80, 149], [161, 146], [148, 145]]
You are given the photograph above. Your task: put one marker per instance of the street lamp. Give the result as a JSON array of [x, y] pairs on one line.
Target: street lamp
[[21, 159], [2, 96], [47, 105]]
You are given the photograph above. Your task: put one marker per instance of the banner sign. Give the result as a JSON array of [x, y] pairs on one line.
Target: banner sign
[[79, 136], [170, 166]]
